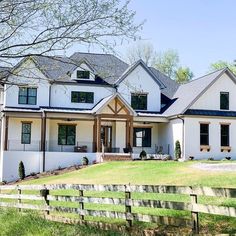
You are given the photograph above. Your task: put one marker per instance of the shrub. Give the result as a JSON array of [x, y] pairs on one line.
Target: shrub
[[21, 170], [166, 158], [210, 159], [191, 158], [177, 150], [33, 174], [151, 157], [228, 158], [143, 155], [94, 162], [85, 161]]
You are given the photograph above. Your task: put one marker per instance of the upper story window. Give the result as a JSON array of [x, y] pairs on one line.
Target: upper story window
[[82, 74], [139, 101], [224, 131], [27, 96], [204, 134], [82, 97], [224, 100], [142, 137]]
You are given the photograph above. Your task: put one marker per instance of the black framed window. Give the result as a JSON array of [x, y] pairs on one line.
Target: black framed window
[[204, 134], [26, 133], [142, 137], [82, 74], [224, 100], [27, 96], [66, 134], [139, 101], [224, 131], [82, 97]]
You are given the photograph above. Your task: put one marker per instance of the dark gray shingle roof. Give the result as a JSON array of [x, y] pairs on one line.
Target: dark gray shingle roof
[[170, 85], [107, 66]]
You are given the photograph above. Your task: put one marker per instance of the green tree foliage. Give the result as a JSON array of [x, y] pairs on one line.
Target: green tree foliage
[[167, 62], [177, 150], [183, 75], [222, 64], [21, 170]]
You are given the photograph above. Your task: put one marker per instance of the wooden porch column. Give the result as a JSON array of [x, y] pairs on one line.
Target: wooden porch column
[[99, 134], [5, 127], [95, 135], [43, 137], [131, 132], [127, 132]]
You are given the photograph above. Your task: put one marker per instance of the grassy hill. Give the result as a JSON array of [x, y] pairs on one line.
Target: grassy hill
[[143, 172]]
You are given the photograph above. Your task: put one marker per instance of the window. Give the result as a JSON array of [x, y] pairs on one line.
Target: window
[[26, 133], [82, 74], [224, 101], [224, 135], [204, 134], [139, 101], [27, 96], [66, 135], [82, 97], [142, 137]]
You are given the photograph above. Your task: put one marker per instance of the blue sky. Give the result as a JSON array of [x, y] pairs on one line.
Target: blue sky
[[202, 31]]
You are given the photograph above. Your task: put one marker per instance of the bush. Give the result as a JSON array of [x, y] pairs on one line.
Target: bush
[[191, 158], [166, 158], [210, 159], [177, 150], [85, 161], [143, 155], [228, 158], [21, 170]]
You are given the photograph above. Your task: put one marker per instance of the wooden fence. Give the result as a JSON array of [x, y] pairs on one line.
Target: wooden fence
[[17, 192]]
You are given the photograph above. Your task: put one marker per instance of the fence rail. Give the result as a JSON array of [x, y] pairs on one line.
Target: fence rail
[[127, 201]]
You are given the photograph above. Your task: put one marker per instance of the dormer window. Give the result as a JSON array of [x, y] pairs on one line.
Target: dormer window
[[224, 101], [27, 96], [139, 101], [83, 74]]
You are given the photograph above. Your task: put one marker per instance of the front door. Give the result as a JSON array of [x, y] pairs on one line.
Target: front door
[[106, 138]]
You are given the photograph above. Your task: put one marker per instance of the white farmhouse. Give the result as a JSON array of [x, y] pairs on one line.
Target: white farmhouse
[[56, 110]]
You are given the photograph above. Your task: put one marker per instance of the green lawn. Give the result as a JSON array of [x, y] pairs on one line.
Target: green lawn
[[149, 172], [143, 172]]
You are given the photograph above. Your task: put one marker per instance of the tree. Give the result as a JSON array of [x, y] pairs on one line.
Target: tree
[[144, 51], [44, 27], [183, 75], [177, 150], [167, 62], [21, 170], [222, 64]]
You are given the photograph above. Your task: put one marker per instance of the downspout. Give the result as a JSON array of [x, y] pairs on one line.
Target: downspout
[[183, 136]]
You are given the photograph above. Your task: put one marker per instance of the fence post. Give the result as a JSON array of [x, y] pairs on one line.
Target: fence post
[[19, 193], [127, 205], [81, 203], [44, 193], [195, 217]]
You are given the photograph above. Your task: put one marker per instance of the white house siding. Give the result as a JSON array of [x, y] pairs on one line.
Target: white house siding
[[28, 75], [155, 138], [61, 95], [14, 134], [210, 100], [140, 81], [84, 135], [11, 160], [169, 133], [192, 138]]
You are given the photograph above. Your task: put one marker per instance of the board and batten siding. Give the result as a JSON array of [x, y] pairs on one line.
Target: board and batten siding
[[140, 81], [192, 138]]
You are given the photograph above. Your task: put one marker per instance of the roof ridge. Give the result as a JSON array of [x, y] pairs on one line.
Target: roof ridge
[[210, 73]]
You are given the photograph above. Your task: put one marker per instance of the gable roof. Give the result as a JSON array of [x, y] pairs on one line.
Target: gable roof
[[145, 67], [188, 93], [105, 101], [171, 86], [107, 66]]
